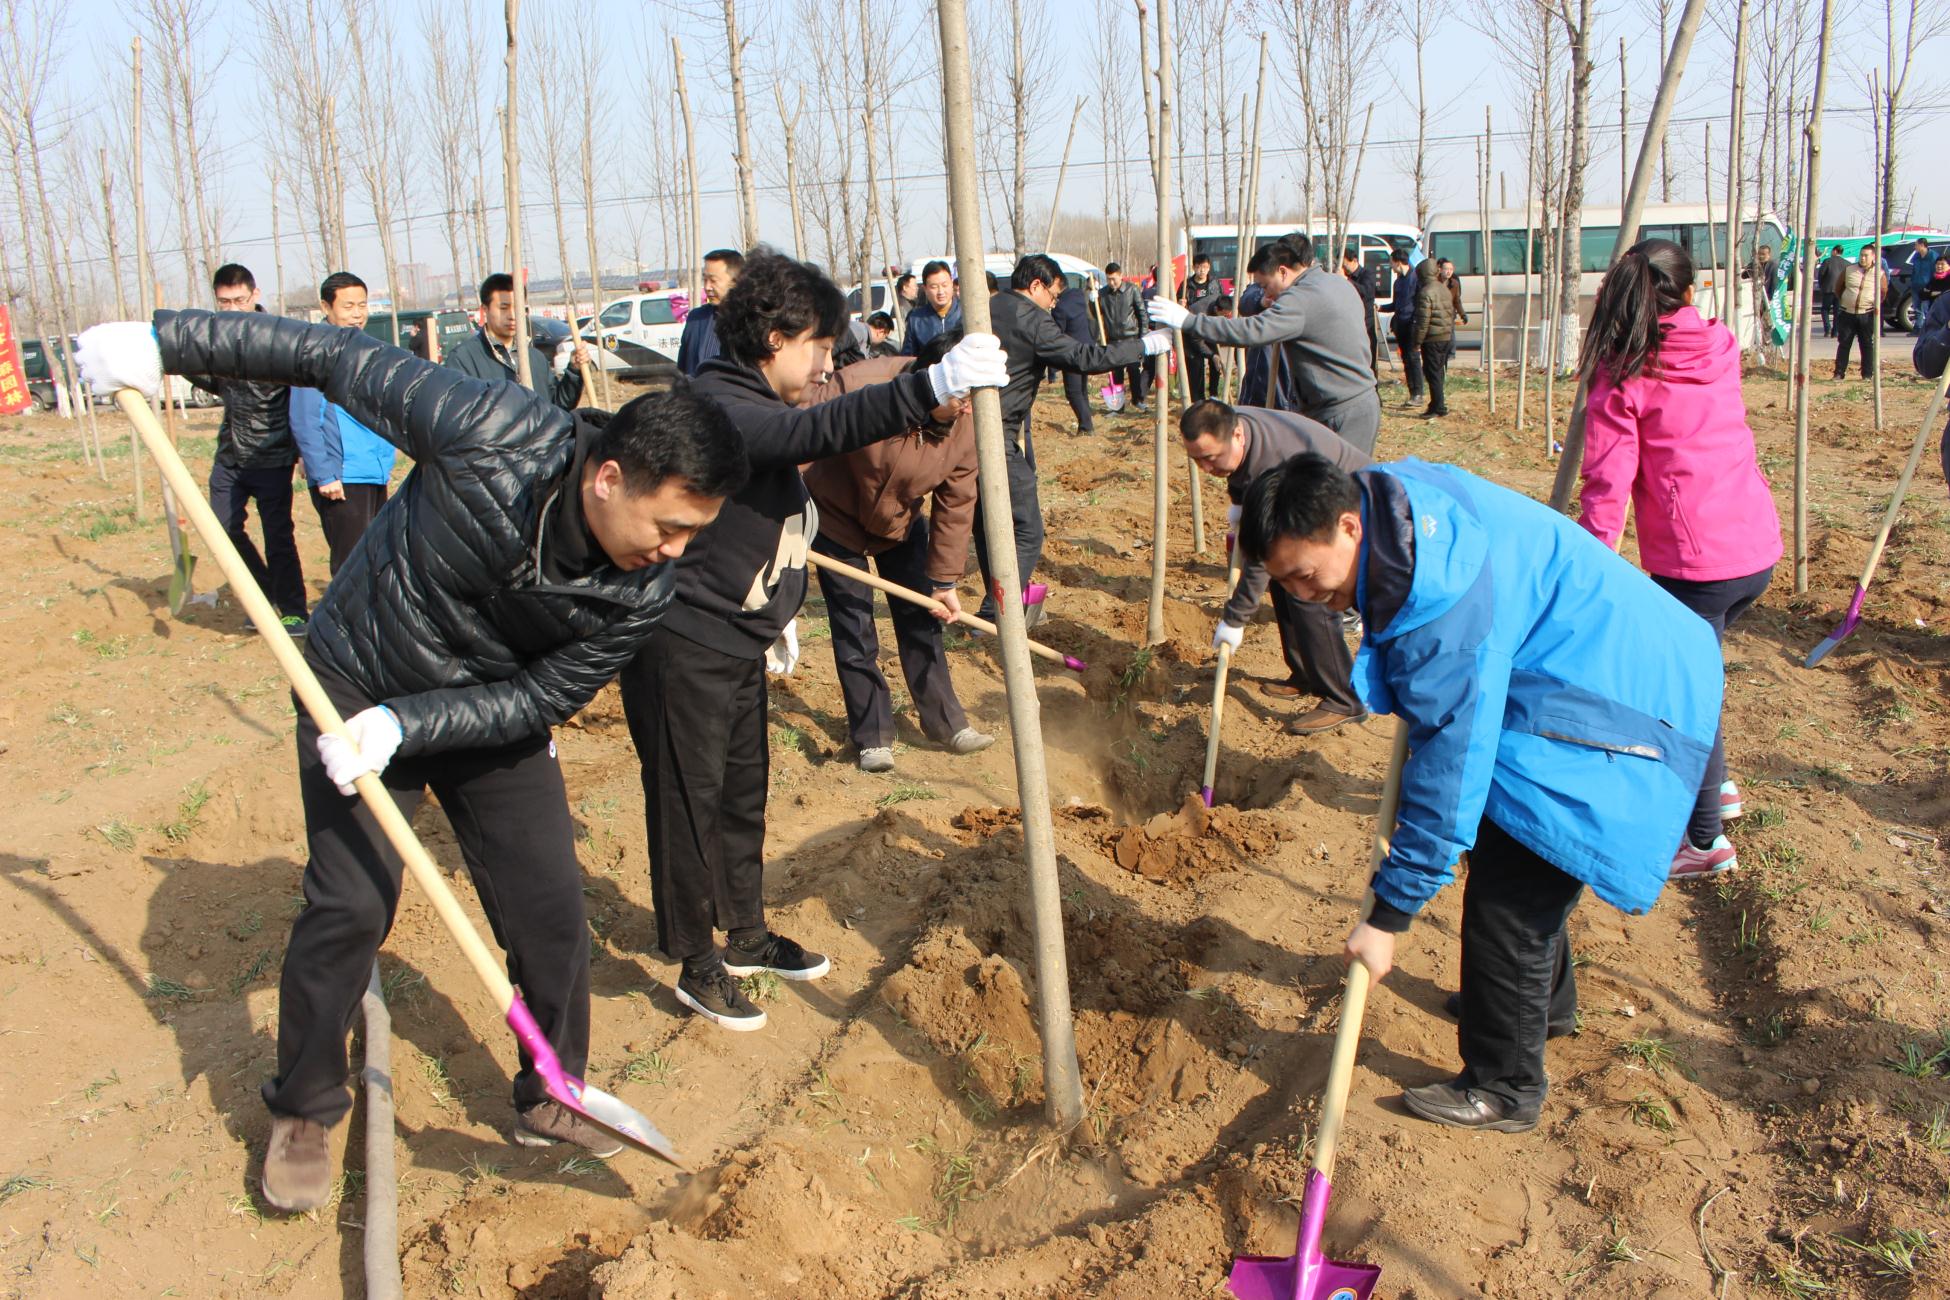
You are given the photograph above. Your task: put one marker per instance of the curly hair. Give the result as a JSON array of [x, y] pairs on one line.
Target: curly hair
[[776, 293]]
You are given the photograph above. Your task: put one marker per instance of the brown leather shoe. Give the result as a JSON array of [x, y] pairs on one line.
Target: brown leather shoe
[[1280, 690], [298, 1165], [1321, 719], [552, 1122]]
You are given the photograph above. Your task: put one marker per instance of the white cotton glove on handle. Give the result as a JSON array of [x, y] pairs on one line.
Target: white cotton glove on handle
[[565, 352], [1167, 313], [1156, 341], [375, 737], [975, 362], [782, 656], [1226, 634], [121, 354]]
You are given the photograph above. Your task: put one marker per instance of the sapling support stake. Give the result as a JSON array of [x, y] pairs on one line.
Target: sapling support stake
[[1062, 1086], [606, 1112]]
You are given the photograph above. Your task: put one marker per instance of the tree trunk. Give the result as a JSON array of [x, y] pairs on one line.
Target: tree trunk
[[1571, 215], [1804, 325], [1624, 122], [277, 242], [1063, 1090], [1161, 397], [870, 225], [1056, 199], [114, 241], [1529, 254], [1019, 155], [792, 175], [742, 158], [696, 281], [1736, 178], [511, 165], [1655, 129], [1487, 348]]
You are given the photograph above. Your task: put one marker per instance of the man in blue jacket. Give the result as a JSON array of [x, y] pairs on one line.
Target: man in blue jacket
[[1560, 709], [699, 342], [347, 464]]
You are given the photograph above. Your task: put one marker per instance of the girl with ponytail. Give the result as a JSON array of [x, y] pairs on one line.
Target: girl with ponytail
[[1666, 429]]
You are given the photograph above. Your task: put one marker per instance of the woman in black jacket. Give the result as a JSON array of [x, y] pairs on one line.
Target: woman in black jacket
[[695, 697]]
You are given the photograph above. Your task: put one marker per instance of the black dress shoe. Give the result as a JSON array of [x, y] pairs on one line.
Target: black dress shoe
[[1452, 1008], [1445, 1103]]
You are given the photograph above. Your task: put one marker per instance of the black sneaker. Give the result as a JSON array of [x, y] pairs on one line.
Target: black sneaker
[[1453, 1107], [717, 997], [777, 954]]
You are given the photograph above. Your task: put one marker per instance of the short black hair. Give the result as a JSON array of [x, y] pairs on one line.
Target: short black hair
[[499, 282], [1222, 303], [1210, 416], [230, 275], [880, 320], [1282, 252], [328, 288], [1399, 255], [1201, 260], [1301, 497], [937, 265], [1036, 268], [1112, 268], [731, 257], [907, 278], [1922, 243], [673, 435], [776, 292]]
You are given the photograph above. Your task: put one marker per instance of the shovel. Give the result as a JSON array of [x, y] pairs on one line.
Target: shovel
[[1219, 682], [182, 560], [1852, 619], [1307, 1274], [606, 1112], [908, 594]]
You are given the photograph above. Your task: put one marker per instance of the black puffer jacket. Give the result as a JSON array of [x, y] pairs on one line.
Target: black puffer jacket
[[440, 612], [256, 432]]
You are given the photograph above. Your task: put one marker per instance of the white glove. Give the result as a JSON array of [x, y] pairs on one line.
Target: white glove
[[782, 656], [375, 736], [1167, 313], [121, 354], [1225, 634], [565, 352], [975, 362], [1156, 341]]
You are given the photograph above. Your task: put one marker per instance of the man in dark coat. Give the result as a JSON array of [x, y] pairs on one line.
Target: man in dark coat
[[523, 562], [1200, 293], [1239, 446], [1120, 305], [1401, 313], [699, 342], [1363, 280], [1072, 315], [1032, 343], [255, 453], [489, 352]]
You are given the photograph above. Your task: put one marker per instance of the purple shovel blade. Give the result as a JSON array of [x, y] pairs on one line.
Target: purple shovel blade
[[593, 1104], [1306, 1274], [1850, 621], [1205, 793]]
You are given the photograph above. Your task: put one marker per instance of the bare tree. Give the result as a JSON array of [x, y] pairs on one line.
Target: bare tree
[[190, 58], [1906, 26], [376, 126], [1419, 19], [742, 155], [452, 116], [301, 49], [1335, 46], [1116, 73]]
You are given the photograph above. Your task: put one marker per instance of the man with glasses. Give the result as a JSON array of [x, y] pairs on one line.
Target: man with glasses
[[1032, 342], [1239, 445], [255, 453]]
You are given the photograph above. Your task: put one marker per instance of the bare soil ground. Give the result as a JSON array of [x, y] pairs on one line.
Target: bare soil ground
[[1758, 1101]]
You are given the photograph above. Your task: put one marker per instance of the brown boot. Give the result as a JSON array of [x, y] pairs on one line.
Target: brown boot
[[1280, 690], [298, 1165], [1321, 719]]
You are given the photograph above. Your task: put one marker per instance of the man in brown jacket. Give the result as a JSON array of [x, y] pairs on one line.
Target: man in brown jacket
[[870, 505]]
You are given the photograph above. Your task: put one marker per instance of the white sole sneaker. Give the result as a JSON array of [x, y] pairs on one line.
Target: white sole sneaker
[[809, 973], [737, 1024]]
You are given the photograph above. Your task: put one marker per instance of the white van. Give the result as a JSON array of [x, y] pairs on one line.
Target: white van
[[1079, 273]]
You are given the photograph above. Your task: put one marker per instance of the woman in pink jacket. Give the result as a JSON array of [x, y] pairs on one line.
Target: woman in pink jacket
[[1666, 429]]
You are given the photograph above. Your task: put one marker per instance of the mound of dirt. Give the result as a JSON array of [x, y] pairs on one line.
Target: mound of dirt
[[1176, 848], [974, 1006]]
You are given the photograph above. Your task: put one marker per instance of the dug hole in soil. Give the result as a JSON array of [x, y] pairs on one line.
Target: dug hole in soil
[[1756, 1099]]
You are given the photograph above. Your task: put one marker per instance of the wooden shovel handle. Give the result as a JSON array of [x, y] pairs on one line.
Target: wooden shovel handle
[[312, 695], [1219, 678], [913, 597], [1354, 999]]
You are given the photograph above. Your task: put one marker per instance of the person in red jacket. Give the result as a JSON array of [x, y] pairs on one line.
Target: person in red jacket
[[1666, 428]]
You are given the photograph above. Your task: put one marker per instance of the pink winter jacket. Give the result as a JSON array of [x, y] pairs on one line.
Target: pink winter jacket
[[1676, 438]]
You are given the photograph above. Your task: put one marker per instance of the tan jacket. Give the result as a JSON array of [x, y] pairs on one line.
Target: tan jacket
[[869, 499], [1858, 291]]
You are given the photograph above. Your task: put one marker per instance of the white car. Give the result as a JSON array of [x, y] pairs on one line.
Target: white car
[[652, 321]]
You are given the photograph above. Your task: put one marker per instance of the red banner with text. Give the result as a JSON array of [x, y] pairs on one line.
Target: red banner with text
[[14, 397]]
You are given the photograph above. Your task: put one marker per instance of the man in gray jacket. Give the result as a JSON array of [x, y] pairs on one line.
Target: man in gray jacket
[[1121, 303], [1239, 445], [490, 354], [1315, 317]]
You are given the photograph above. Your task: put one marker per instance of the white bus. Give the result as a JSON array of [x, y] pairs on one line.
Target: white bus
[[1374, 240], [1458, 236]]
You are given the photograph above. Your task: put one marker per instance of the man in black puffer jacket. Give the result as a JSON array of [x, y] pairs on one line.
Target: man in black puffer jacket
[[521, 564], [255, 453], [695, 697]]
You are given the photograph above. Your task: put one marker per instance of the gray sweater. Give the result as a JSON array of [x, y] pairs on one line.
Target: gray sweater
[[1272, 438], [1323, 347]]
